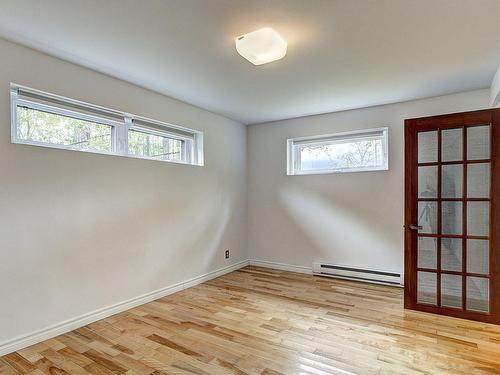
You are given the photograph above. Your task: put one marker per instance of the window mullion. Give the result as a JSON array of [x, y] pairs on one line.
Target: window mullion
[[102, 130], [121, 132]]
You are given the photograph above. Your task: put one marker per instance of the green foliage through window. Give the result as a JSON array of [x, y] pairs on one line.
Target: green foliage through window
[[44, 119], [365, 150], [154, 146], [44, 127]]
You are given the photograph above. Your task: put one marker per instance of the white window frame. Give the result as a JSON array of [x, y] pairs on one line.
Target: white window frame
[[293, 159], [62, 112], [192, 155], [187, 152]]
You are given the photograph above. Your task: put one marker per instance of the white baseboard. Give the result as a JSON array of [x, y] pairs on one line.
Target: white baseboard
[[280, 266], [52, 331]]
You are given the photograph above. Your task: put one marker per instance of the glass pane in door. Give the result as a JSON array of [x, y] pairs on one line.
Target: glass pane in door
[[427, 252], [478, 294], [451, 254], [478, 218], [451, 290], [452, 144], [428, 147], [478, 256], [451, 217], [427, 182], [478, 180], [426, 288], [427, 217], [452, 180], [478, 142]]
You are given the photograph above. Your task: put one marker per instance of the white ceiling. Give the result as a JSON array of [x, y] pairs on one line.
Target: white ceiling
[[342, 54]]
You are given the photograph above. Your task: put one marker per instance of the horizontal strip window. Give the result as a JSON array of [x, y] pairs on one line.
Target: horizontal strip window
[[356, 151], [44, 119]]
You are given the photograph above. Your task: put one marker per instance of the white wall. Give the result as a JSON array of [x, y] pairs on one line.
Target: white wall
[[81, 231], [352, 219]]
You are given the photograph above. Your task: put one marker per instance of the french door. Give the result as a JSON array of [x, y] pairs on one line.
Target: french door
[[452, 215]]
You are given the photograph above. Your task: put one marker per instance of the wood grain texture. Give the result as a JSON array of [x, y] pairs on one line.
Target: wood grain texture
[[462, 121], [269, 322]]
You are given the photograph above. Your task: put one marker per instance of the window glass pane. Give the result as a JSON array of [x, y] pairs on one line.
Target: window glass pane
[[478, 256], [451, 218], [478, 180], [427, 252], [478, 294], [342, 154], [427, 217], [427, 182], [452, 180], [451, 144], [427, 147], [48, 120], [426, 288], [49, 128], [478, 142], [478, 218], [155, 146], [451, 290], [451, 254]]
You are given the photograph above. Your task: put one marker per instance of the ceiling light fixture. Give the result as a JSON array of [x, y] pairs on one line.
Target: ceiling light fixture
[[261, 46]]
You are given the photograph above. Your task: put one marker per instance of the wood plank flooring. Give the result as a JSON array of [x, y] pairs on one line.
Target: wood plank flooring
[[267, 322]]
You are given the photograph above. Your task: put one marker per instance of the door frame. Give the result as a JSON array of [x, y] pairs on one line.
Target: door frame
[[491, 116]]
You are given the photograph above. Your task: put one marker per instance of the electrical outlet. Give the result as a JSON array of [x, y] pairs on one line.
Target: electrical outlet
[[227, 254]]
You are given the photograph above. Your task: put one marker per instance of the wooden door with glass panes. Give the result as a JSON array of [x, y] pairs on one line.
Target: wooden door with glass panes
[[452, 215]]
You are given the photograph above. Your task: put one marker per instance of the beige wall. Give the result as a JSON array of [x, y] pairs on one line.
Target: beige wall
[[352, 219], [81, 231]]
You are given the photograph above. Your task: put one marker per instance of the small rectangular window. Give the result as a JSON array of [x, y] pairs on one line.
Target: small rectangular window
[[48, 120], [46, 128], [156, 146], [357, 151]]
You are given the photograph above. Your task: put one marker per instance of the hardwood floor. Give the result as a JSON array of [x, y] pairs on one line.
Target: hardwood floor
[[261, 321]]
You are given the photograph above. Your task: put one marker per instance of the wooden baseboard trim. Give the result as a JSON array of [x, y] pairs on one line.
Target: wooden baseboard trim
[[57, 329]]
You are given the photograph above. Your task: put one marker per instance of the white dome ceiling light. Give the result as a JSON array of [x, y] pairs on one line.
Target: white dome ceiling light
[[261, 46]]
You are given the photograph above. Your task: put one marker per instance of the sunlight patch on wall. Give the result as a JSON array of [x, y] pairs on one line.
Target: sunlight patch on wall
[[335, 228]]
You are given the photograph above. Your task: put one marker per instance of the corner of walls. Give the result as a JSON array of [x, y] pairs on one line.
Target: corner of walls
[[52, 331], [351, 219], [280, 266], [88, 235], [247, 192], [495, 89]]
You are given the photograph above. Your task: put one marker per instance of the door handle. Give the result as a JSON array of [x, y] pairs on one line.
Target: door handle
[[416, 227]]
